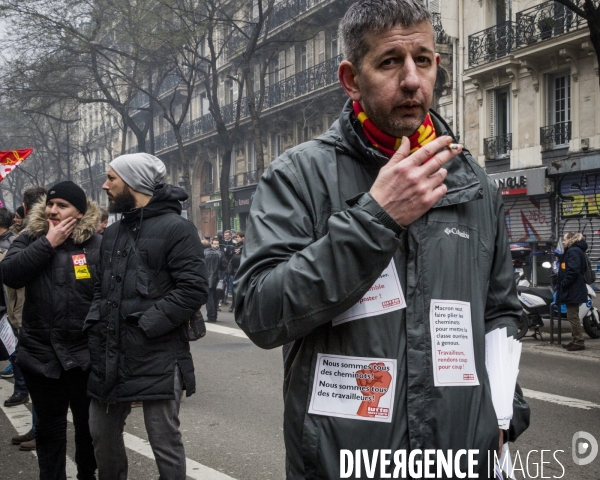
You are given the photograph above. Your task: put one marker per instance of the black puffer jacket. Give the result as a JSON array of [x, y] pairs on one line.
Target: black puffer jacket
[[572, 288], [56, 302], [137, 319]]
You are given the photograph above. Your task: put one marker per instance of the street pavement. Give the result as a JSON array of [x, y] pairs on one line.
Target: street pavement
[[232, 426]]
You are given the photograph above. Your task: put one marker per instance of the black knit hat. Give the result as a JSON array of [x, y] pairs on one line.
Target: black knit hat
[[71, 193]]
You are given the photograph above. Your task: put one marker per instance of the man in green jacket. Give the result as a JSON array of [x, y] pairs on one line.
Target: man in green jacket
[[377, 256]]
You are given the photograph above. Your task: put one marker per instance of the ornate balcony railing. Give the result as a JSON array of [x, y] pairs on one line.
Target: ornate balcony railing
[[233, 181], [491, 43], [555, 135], [95, 171], [438, 28], [208, 188], [544, 21], [251, 177], [497, 147], [306, 81]]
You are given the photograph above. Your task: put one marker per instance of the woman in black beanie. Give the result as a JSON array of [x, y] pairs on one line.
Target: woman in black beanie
[[55, 259]]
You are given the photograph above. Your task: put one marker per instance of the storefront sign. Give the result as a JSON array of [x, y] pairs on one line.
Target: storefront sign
[[242, 199], [521, 182]]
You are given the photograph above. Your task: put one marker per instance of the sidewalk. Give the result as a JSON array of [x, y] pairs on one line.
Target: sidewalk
[[592, 346]]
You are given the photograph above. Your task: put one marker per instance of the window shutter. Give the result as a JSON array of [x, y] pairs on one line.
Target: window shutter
[[321, 47], [550, 101], [434, 6], [221, 94], [310, 52], [256, 77], [492, 98], [291, 62]]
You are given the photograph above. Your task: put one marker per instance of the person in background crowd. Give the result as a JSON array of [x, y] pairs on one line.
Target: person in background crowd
[[16, 299], [227, 248], [234, 263], [215, 264], [206, 241], [18, 219], [14, 307], [55, 259], [152, 280], [572, 289], [103, 221]]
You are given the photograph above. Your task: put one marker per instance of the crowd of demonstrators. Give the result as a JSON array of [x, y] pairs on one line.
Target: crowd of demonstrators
[[55, 260], [215, 264], [329, 216], [151, 280], [101, 315], [571, 286]]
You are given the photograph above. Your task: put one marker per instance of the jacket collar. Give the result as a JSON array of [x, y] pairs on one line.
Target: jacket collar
[[346, 135], [37, 224]]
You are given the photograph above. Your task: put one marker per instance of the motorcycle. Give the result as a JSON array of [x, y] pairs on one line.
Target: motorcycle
[[536, 309]]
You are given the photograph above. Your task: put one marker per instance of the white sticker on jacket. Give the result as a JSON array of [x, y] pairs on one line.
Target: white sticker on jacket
[[384, 296], [452, 344], [354, 387]]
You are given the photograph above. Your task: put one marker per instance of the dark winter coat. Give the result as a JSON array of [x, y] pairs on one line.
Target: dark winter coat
[[572, 287], [314, 246], [56, 302], [138, 315], [215, 264], [236, 257]]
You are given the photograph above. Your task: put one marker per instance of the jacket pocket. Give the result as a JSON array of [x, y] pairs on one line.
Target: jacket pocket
[[142, 281]]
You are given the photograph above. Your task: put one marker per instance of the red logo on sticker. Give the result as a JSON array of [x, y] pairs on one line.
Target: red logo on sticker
[[391, 303], [468, 376], [79, 260]]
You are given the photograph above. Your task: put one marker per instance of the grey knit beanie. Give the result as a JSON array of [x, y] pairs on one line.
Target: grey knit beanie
[[141, 171]]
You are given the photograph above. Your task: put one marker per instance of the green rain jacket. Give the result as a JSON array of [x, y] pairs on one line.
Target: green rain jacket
[[317, 242]]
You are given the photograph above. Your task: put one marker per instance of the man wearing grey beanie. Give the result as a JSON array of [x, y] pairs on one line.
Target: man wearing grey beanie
[[152, 280]]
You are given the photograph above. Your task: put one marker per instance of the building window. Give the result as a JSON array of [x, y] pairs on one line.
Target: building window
[[303, 63], [251, 163], [499, 142], [334, 44], [275, 145], [557, 132]]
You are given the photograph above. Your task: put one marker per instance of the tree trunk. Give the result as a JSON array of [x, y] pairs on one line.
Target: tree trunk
[[224, 186]]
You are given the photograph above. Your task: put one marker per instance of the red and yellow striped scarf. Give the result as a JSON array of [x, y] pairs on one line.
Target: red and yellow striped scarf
[[387, 144]]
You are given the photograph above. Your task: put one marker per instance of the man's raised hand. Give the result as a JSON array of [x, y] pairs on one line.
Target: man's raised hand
[[410, 184], [58, 234]]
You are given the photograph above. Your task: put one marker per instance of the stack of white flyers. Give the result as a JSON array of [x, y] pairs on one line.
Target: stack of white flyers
[[502, 355]]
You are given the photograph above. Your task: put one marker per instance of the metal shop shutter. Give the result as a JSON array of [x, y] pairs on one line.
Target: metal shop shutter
[[528, 219]]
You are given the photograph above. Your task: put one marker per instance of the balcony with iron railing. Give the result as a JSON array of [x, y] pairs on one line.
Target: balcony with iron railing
[[250, 177], [544, 21], [557, 135], [438, 28], [497, 147], [304, 82], [492, 43]]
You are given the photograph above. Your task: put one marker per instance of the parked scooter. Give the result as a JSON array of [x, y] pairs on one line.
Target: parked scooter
[[536, 309]]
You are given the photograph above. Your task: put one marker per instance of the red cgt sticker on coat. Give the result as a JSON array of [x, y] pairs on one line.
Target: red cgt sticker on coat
[[80, 265]]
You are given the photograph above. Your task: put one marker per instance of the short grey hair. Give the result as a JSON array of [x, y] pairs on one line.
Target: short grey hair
[[375, 16]]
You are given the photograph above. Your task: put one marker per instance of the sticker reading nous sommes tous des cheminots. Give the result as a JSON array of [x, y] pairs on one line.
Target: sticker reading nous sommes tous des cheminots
[[384, 296], [354, 387], [452, 344]]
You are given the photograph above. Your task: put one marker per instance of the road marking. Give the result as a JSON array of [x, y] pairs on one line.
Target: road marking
[[560, 400], [235, 332], [20, 418]]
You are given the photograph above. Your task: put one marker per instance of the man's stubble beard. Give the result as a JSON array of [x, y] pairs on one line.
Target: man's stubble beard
[[123, 202], [395, 127]]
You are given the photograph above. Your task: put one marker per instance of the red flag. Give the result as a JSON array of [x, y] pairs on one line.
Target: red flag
[[9, 160]]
